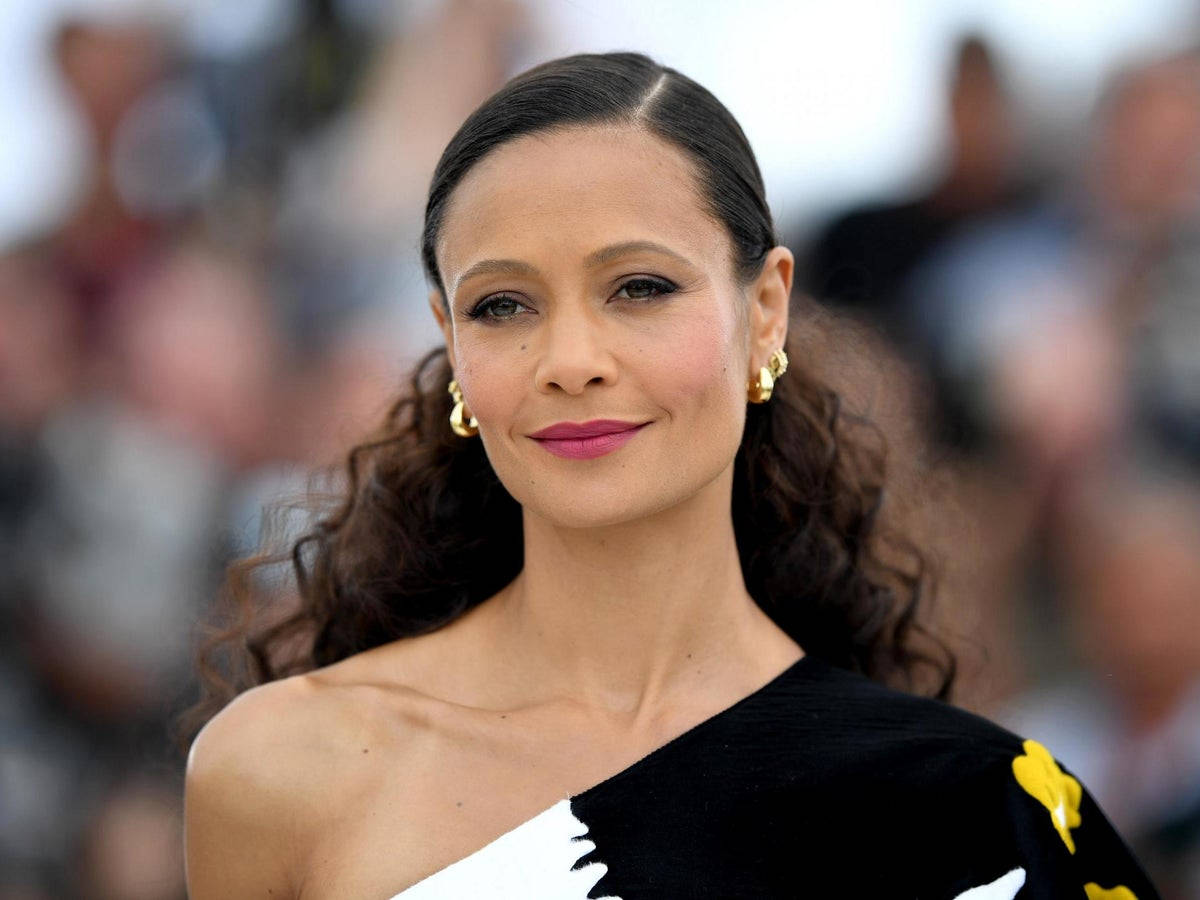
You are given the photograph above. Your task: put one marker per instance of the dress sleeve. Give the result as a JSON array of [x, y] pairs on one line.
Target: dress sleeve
[[1065, 845]]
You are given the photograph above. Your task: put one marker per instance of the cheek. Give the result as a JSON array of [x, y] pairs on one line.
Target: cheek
[[701, 368], [491, 377]]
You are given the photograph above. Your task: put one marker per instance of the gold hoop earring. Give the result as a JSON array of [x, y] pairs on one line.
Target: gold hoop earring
[[461, 422], [763, 384]]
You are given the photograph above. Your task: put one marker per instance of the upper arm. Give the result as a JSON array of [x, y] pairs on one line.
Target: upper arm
[[1023, 826], [240, 828], [1065, 838]]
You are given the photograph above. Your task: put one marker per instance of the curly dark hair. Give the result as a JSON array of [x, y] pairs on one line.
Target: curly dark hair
[[424, 530]]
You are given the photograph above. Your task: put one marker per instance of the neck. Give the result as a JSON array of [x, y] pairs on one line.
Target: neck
[[622, 615]]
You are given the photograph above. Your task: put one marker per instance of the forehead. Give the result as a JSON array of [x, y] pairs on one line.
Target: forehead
[[558, 195]]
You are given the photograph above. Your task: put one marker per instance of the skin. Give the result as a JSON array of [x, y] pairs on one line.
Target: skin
[[630, 622]]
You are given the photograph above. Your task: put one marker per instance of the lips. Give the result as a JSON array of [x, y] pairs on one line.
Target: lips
[[586, 440], [594, 428]]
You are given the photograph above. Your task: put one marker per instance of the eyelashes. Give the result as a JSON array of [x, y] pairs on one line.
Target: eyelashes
[[643, 288], [640, 291], [499, 306]]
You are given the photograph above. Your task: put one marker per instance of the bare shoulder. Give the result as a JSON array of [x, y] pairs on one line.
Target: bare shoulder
[[239, 808], [287, 764], [262, 777], [259, 740]]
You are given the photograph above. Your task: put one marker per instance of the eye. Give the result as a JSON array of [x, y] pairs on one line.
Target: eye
[[645, 288], [500, 306]]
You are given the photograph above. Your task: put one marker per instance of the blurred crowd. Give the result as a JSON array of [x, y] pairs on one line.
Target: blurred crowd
[[236, 294]]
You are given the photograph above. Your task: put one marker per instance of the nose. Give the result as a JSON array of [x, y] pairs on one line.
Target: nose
[[574, 353]]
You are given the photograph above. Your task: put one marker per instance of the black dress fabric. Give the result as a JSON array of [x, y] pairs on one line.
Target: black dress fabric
[[820, 784], [825, 784]]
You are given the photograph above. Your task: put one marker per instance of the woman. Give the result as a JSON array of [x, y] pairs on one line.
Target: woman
[[598, 613]]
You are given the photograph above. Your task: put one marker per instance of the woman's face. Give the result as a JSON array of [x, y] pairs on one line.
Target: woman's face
[[586, 281]]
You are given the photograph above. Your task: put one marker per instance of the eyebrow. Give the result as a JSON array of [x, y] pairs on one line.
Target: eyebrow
[[593, 259]]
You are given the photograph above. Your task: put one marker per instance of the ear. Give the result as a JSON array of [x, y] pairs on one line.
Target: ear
[[769, 306], [438, 306]]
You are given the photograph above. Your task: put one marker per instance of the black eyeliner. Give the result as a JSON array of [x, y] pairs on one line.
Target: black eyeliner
[[661, 286]]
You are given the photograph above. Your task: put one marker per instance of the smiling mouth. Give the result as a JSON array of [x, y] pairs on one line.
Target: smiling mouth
[[587, 447]]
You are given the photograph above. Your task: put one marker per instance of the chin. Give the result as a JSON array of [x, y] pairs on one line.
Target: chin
[[577, 506], [617, 496]]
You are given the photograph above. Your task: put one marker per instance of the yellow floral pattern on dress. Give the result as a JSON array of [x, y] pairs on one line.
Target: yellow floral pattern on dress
[[1120, 892], [1038, 773]]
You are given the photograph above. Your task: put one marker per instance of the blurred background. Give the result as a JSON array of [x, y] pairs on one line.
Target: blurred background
[[210, 287]]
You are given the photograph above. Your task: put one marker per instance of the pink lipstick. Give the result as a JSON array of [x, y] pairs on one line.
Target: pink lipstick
[[587, 440]]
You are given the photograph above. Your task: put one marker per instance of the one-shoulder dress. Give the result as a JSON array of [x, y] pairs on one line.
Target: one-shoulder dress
[[819, 784]]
